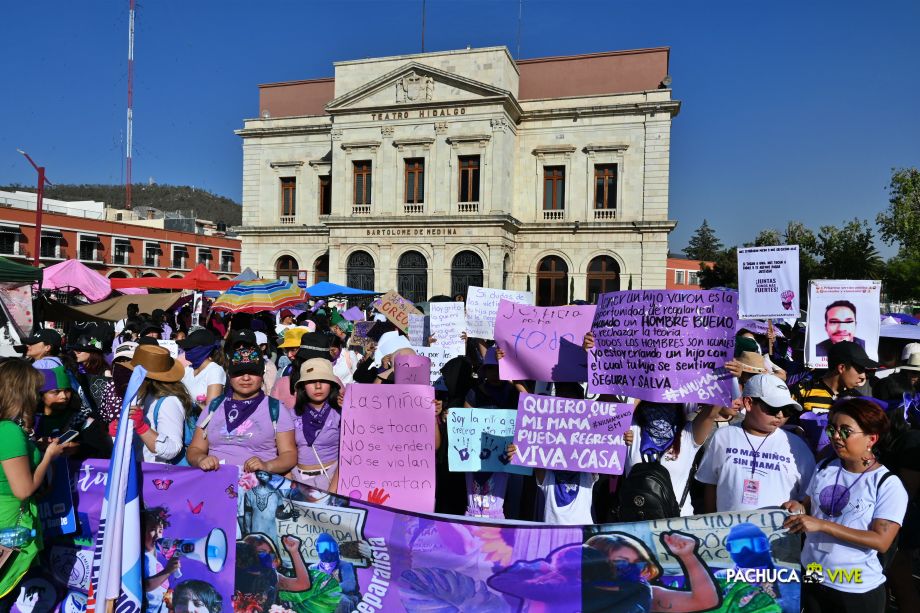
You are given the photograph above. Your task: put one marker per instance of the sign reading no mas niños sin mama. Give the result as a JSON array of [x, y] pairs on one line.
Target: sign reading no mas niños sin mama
[[664, 346]]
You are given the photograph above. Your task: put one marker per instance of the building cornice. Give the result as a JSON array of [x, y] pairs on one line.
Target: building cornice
[[293, 130], [638, 108], [605, 227]]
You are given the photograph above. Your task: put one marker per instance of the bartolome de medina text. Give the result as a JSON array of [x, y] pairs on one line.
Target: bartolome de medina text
[[419, 113]]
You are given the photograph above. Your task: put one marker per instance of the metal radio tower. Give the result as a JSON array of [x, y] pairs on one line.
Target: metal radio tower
[[130, 131]]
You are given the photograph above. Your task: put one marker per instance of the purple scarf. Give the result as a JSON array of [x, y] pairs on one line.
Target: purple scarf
[[313, 421], [238, 411]]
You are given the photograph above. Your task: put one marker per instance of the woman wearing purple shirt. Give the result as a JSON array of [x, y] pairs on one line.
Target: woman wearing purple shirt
[[241, 430], [316, 425]]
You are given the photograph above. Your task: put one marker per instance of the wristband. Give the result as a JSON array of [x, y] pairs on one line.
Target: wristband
[[141, 427]]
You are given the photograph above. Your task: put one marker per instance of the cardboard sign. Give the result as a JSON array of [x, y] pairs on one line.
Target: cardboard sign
[[664, 346], [482, 308], [841, 310], [387, 445], [569, 434], [413, 369], [542, 343], [477, 439], [768, 282], [448, 323], [396, 308], [439, 356]]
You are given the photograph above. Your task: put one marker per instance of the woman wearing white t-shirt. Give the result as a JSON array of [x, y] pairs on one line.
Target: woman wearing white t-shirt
[[852, 512], [661, 433], [204, 377]]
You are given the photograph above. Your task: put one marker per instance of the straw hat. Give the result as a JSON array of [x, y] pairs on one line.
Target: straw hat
[[159, 364], [912, 363], [318, 369]]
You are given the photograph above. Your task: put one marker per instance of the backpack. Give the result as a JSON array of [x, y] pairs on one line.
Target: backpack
[[274, 410], [647, 493]]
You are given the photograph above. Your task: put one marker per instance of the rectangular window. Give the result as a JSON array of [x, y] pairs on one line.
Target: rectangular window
[[8, 238], [605, 186], [693, 277], [325, 195], [120, 249], [679, 277], [204, 257], [415, 181], [363, 182], [87, 248], [226, 261], [553, 188], [151, 254], [179, 256], [469, 178], [288, 196]]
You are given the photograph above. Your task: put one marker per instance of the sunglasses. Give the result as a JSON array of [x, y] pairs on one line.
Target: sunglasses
[[843, 431], [774, 411]]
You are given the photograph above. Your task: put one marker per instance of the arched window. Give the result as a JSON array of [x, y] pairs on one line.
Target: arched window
[[150, 274], [603, 277], [360, 271], [286, 269], [552, 282], [412, 277], [506, 270], [465, 270], [321, 268], [118, 274]]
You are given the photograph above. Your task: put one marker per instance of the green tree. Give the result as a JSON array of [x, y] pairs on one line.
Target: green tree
[[900, 223], [724, 272], [767, 238], [901, 279], [704, 245], [848, 252], [799, 234]]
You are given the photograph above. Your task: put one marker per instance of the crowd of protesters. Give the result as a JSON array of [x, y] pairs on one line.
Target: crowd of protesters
[[264, 392]]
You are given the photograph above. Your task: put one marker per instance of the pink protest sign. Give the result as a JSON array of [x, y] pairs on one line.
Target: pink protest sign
[[387, 450], [414, 369], [542, 343], [570, 434]]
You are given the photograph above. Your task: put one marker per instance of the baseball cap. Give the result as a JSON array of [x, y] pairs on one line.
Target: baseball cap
[[244, 336], [47, 336], [848, 352], [771, 390], [246, 360]]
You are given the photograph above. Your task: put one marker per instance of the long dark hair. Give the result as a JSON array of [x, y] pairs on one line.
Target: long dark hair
[[95, 364], [302, 399]]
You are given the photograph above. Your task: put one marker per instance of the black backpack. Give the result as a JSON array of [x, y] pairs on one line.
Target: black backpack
[[647, 494]]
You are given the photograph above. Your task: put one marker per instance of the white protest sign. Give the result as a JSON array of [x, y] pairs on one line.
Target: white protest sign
[[482, 308], [171, 346], [439, 356], [448, 322], [841, 310], [419, 329], [768, 282]]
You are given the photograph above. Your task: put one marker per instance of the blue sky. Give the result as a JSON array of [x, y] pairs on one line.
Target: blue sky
[[791, 110]]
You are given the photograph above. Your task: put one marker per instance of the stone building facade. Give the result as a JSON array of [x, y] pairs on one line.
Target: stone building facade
[[430, 172]]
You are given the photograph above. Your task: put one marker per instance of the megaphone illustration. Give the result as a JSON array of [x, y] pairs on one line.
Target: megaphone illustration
[[210, 550]]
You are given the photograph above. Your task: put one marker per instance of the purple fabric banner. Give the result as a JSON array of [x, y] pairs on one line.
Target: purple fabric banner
[[542, 343], [569, 434], [664, 346], [387, 450]]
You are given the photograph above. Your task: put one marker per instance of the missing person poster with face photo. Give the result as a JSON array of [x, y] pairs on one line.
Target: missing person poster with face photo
[[841, 310]]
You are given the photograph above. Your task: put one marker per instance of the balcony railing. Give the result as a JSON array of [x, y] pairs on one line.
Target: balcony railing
[[467, 207], [414, 209], [601, 214], [361, 209], [287, 220], [554, 215]]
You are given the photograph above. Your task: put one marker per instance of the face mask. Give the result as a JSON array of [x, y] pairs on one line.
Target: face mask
[[121, 375], [197, 355], [266, 559]]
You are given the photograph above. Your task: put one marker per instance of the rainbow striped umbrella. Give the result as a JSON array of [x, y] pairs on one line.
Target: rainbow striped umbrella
[[260, 295]]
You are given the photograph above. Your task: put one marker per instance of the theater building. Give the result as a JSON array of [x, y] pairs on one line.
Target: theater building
[[429, 173]]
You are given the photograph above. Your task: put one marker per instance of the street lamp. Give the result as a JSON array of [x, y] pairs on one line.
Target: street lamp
[[38, 207]]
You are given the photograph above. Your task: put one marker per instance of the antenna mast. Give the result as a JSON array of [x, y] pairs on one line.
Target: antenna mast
[[130, 131]]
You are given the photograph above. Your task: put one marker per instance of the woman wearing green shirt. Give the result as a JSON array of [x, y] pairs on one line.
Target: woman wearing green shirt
[[24, 468]]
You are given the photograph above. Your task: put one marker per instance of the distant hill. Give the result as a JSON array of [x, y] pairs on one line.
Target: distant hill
[[164, 197]]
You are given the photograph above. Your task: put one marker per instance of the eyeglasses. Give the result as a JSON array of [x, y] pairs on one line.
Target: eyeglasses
[[774, 411], [843, 431], [757, 545]]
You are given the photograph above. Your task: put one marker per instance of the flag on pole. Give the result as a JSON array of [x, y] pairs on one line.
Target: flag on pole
[[117, 559]]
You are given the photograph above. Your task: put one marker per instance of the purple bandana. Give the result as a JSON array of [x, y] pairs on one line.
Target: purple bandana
[[238, 411], [566, 487], [313, 421]]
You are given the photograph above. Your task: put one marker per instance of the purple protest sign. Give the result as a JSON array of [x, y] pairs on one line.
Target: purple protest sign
[[387, 450], [411, 368], [542, 343], [570, 434], [664, 346]]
